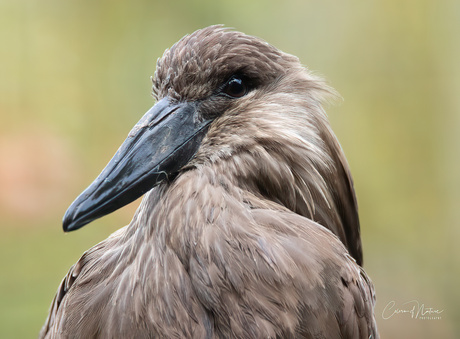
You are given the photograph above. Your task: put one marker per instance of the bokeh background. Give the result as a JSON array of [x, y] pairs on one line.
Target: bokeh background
[[74, 79]]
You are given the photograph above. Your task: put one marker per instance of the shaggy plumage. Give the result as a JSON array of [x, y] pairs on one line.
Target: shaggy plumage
[[257, 236]]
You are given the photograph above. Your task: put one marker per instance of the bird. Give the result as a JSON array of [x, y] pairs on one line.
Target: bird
[[248, 226]]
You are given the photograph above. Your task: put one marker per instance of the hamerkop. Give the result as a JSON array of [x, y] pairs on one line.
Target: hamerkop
[[249, 225]]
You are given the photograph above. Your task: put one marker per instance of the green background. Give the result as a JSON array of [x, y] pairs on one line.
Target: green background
[[74, 79]]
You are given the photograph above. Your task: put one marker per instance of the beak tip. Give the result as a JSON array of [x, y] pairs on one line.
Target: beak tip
[[66, 227], [71, 225], [67, 224], [70, 222]]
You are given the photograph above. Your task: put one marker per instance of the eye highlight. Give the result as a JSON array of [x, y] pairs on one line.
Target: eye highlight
[[235, 87]]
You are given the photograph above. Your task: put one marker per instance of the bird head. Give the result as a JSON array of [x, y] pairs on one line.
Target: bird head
[[223, 97]]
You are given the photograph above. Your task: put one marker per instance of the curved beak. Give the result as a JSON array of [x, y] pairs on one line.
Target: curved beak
[[158, 146]]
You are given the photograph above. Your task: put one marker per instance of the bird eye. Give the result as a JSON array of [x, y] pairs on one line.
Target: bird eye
[[235, 88]]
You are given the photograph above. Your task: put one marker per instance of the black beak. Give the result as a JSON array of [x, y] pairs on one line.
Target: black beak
[[158, 146]]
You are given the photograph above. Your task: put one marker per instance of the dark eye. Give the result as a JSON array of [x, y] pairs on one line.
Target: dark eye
[[235, 88]]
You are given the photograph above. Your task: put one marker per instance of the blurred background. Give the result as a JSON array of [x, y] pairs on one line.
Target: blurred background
[[75, 77]]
